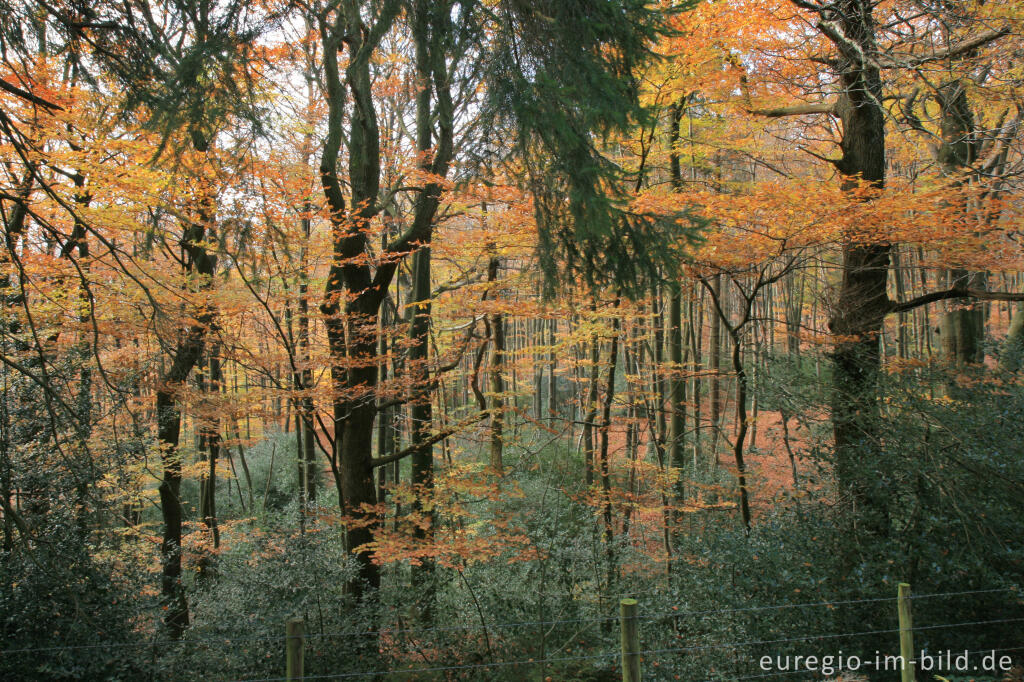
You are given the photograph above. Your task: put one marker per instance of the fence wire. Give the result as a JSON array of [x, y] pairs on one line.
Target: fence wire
[[675, 614]]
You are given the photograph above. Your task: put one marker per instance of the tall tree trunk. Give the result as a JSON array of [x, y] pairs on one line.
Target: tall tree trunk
[[187, 353], [84, 406], [421, 414], [497, 380], [386, 441], [742, 426], [295, 401], [604, 461], [590, 418], [862, 305], [553, 405], [310, 478], [962, 327], [660, 386], [694, 330], [677, 390], [352, 330], [715, 358], [535, 332], [428, 28], [351, 342], [210, 437], [677, 380]]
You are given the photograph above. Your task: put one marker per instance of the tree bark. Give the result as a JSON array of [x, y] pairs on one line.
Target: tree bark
[[421, 415], [590, 417], [210, 437], [862, 305], [604, 461], [497, 380], [186, 355], [962, 327], [677, 389], [677, 381]]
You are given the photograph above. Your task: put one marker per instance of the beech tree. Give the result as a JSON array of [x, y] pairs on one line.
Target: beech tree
[[862, 51], [389, 313], [561, 49]]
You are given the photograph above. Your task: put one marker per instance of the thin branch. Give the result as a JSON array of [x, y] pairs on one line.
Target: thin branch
[[436, 438]]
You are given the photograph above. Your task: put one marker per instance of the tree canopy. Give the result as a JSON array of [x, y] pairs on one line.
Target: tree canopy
[[444, 325]]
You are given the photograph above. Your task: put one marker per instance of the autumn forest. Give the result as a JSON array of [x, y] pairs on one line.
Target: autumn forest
[[434, 329]]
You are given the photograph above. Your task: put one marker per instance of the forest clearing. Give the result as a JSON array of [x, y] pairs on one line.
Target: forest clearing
[[569, 340]]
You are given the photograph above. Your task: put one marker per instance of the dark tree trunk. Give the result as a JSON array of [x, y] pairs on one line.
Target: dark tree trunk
[[604, 461], [186, 355], [210, 439], [715, 359], [677, 382], [309, 477], [352, 327], [421, 414], [497, 380], [590, 417], [863, 303], [553, 404], [742, 427]]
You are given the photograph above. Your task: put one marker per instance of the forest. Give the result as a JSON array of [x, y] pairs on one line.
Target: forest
[[410, 339]]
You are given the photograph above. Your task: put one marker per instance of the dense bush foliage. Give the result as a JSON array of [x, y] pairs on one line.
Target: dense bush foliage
[[803, 581]]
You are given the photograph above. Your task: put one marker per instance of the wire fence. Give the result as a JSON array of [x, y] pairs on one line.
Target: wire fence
[[498, 626], [650, 655], [612, 655]]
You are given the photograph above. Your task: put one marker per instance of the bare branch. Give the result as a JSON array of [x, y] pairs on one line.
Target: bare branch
[[797, 110], [964, 46], [955, 292], [436, 438]]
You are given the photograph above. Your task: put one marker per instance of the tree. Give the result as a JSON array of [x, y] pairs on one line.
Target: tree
[[605, 56], [863, 302]]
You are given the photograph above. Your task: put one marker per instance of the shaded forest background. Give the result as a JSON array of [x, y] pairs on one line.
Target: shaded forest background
[[444, 325]]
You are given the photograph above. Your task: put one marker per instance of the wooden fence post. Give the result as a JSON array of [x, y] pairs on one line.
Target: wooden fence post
[[906, 633], [630, 640], [294, 644]]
